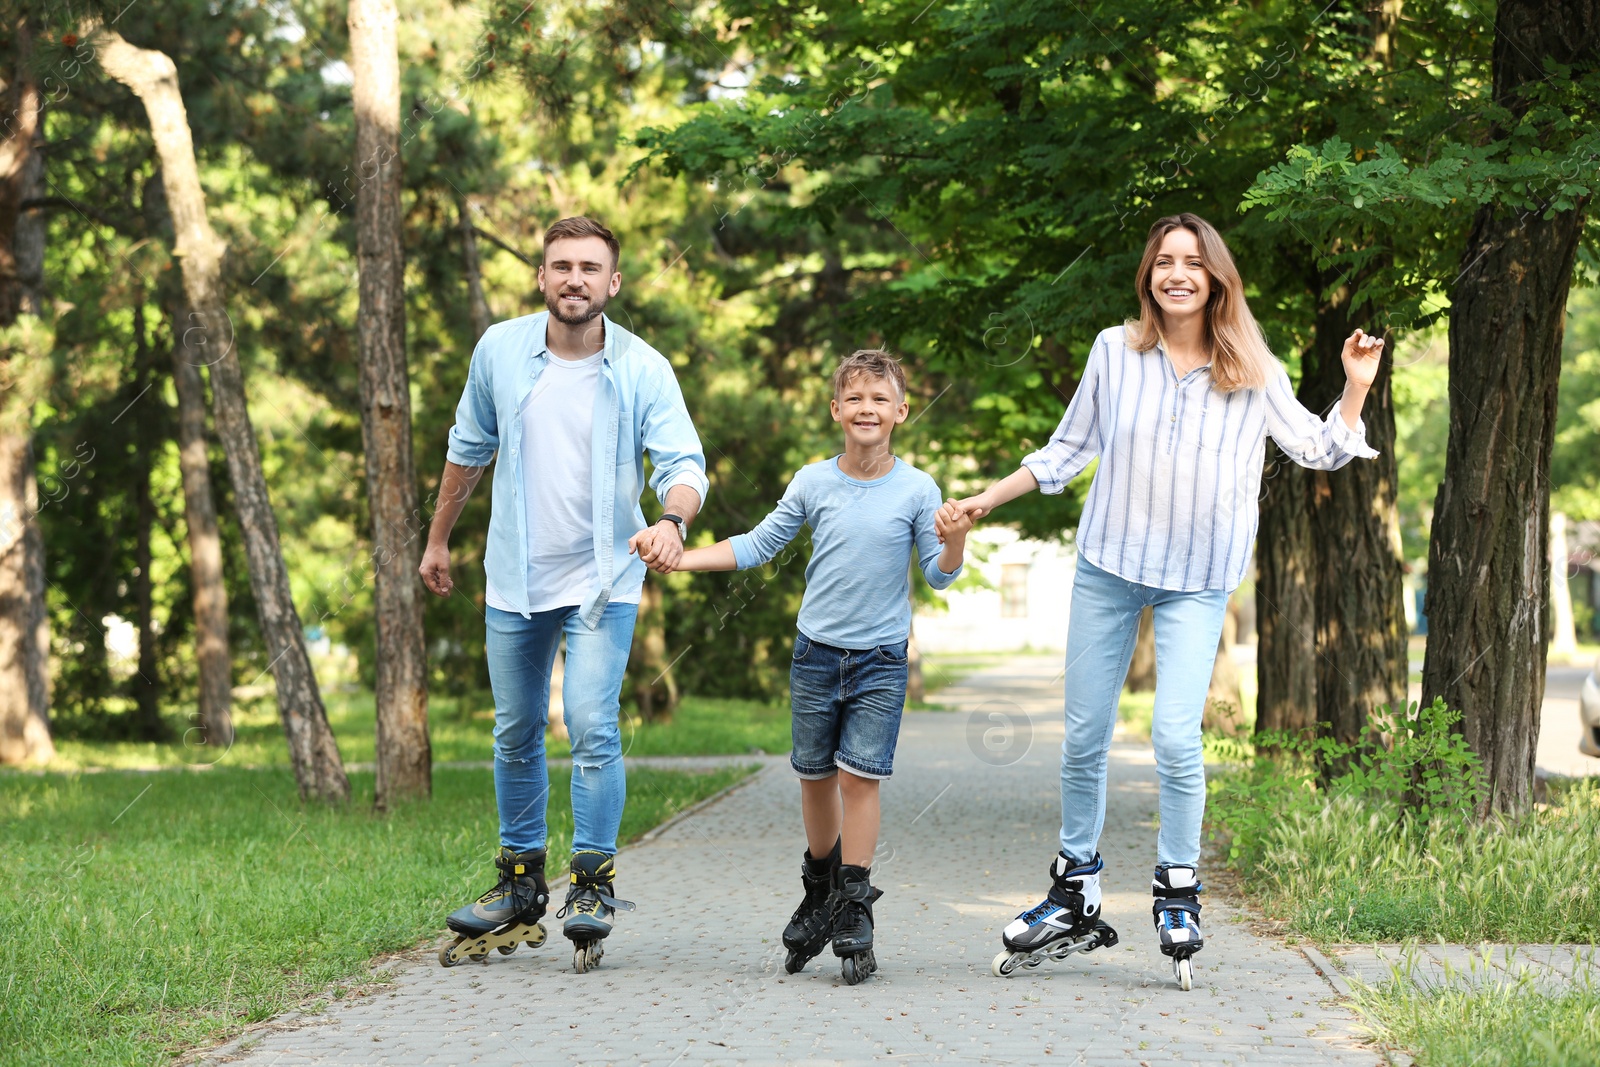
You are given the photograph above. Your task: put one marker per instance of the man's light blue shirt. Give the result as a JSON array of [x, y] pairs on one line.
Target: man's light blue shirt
[[637, 408], [858, 583]]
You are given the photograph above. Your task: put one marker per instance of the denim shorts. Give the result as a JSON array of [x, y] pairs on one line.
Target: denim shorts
[[847, 705]]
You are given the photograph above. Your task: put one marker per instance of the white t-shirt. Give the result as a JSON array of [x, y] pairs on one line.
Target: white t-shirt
[[557, 487]]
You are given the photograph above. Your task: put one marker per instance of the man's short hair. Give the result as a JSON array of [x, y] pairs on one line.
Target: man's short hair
[[874, 363], [580, 226]]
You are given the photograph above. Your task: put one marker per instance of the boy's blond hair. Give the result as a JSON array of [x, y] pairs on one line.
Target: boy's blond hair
[[873, 362]]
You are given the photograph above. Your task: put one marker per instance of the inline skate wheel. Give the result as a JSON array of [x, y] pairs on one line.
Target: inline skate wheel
[[853, 972], [506, 950], [447, 957], [1004, 965], [586, 958], [1185, 972], [538, 937], [794, 963]]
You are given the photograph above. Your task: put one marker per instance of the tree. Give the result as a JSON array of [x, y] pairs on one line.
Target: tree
[[24, 665], [210, 594], [152, 77], [1488, 560], [404, 760]]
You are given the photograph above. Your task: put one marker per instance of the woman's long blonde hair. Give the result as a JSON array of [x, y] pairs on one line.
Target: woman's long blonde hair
[[1239, 355]]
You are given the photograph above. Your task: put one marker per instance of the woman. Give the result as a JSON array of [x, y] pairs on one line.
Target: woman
[[1177, 406]]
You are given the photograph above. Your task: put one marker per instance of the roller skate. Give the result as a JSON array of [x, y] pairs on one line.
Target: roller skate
[[1176, 888], [811, 925], [589, 908], [852, 923], [505, 915], [1066, 921]]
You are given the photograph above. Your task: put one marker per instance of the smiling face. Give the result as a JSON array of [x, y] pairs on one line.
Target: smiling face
[[577, 278], [1179, 282], [869, 408]]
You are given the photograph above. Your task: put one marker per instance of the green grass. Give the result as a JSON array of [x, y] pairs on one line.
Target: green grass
[[148, 913], [1510, 1024], [1346, 873], [461, 730]]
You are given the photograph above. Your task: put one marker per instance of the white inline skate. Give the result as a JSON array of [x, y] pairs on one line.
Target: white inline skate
[[1176, 889], [1066, 921]]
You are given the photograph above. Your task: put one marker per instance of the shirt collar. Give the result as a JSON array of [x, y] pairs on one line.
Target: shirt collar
[[542, 338]]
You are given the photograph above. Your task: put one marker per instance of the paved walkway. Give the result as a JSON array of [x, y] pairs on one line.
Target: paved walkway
[[970, 818]]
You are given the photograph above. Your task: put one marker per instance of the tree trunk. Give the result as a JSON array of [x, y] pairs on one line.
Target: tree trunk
[[205, 549], [1224, 710], [146, 693], [1286, 625], [24, 619], [1488, 560], [1142, 668], [655, 691], [477, 304], [1563, 633], [1361, 659], [558, 705], [404, 759], [154, 80]]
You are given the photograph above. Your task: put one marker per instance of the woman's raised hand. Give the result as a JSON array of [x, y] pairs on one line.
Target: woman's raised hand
[[1362, 354]]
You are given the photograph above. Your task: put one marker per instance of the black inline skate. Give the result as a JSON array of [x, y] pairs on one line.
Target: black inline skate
[[852, 923], [1066, 921], [811, 925], [506, 914], [589, 907], [1176, 888]]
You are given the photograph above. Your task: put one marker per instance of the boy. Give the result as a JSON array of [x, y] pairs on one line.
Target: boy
[[848, 677]]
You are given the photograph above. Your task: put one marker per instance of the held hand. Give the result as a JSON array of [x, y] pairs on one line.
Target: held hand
[[435, 570], [659, 547], [958, 521], [1362, 354]]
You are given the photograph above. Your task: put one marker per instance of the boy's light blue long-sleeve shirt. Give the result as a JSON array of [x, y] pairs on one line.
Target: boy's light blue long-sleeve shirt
[[858, 583], [638, 407]]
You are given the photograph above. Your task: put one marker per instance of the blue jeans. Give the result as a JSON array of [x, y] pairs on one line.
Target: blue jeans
[[1104, 623], [847, 706], [521, 652]]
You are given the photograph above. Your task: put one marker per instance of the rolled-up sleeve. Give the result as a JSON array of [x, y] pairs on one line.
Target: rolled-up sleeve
[[670, 438], [1076, 441], [1323, 444], [773, 532], [476, 434]]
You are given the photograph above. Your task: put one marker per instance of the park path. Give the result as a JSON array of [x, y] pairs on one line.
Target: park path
[[970, 818]]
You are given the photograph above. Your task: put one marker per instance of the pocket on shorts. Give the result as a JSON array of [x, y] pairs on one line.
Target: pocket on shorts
[[895, 654], [802, 647]]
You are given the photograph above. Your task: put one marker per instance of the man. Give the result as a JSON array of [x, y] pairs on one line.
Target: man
[[570, 402]]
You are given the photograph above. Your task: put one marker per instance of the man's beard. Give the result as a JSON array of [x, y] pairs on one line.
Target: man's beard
[[589, 314]]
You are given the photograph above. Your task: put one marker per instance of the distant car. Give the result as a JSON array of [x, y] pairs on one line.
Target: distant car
[[1589, 712]]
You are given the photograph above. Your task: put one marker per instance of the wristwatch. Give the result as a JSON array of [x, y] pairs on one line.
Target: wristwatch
[[676, 520]]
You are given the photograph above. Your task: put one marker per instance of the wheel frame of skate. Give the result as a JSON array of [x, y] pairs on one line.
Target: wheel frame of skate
[[1183, 971], [857, 966], [1008, 963], [586, 955], [476, 948]]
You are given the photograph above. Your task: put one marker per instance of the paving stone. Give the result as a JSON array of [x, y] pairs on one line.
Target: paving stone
[[970, 818]]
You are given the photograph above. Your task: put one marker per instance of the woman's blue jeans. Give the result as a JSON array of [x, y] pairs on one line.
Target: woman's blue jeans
[[1103, 626], [521, 652]]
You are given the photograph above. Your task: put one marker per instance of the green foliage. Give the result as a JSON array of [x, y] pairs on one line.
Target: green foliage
[[1505, 1023], [1421, 773], [1391, 847], [153, 912]]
